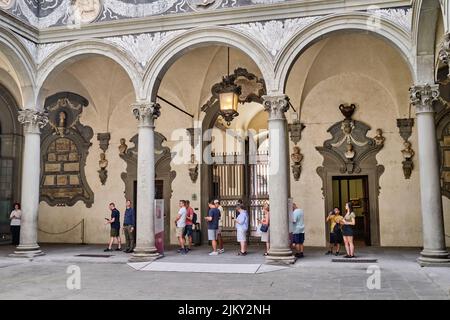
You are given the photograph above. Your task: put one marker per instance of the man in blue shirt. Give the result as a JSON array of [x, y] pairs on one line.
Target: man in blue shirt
[[213, 226], [128, 227], [298, 237], [241, 229], [115, 227]]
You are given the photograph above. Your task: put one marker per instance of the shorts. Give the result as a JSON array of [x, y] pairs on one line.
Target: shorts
[[298, 238], [212, 234], [241, 235], [336, 238], [114, 232], [187, 230], [180, 231]]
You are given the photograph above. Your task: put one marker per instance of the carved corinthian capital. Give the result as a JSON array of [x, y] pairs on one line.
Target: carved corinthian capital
[[422, 97], [32, 120], [444, 52], [146, 113], [276, 106]]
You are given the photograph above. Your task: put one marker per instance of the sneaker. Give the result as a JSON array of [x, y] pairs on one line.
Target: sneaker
[[107, 250], [347, 256], [119, 249], [299, 255], [328, 253], [214, 253], [221, 250], [180, 250], [337, 254]]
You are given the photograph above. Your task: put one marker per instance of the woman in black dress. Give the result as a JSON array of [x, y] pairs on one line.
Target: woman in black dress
[[347, 230]]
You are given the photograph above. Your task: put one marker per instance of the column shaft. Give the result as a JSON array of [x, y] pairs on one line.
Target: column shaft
[[145, 238], [434, 250], [32, 122], [280, 252]]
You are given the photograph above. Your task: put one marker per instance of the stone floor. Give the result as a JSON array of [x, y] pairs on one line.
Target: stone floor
[[313, 277]]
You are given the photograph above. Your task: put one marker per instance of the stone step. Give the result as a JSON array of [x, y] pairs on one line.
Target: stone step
[[355, 260]]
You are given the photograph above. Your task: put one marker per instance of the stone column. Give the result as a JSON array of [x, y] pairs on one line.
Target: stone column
[[280, 252], [434, 249], [32, 122], [146, 114]]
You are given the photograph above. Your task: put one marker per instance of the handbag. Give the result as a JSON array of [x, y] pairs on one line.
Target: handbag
[[264, 228]]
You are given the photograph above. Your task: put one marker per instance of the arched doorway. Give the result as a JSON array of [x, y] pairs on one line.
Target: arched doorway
[[11, 142], [237, 169]]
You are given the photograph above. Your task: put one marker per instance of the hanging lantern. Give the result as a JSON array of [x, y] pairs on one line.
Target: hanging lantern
[[229, 99]]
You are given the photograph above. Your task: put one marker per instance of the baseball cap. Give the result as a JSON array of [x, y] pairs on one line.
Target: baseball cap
[[216, 201]]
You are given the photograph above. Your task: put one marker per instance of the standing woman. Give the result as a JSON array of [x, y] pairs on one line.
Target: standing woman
[[15, 216], [347, 230], [265, 236]]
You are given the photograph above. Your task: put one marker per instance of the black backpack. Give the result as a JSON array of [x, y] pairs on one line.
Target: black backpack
[[194, 218]]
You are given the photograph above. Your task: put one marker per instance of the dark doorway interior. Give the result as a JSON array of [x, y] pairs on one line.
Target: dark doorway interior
[[355, 190]]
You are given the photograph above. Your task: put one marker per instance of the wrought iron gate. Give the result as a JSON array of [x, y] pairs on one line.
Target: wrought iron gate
[[239, 177]]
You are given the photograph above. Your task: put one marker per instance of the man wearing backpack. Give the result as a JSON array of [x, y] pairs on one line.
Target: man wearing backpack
[[189, 222]]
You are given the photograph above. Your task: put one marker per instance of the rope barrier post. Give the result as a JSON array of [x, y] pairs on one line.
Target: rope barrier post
[[82, 232]]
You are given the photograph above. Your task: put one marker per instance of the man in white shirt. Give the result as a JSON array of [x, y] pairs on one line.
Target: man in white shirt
[[298, 237], [180, 223]]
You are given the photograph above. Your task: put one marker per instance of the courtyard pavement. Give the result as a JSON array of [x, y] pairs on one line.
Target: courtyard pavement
[[313, 277]]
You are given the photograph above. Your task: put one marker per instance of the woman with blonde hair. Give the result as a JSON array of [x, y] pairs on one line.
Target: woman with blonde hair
[[265, 231]]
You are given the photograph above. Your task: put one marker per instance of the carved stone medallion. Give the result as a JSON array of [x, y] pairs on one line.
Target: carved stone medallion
[[86, 11], [6, 4], [202, 5]]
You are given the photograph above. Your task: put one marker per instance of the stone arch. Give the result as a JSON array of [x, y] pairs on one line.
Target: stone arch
[[389, 31], [77, 50], [424, 26], [198, 37], [22, 62]]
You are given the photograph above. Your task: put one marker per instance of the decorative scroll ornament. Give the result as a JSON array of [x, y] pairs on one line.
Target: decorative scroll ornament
[[6, 4], [276, 106], [252, 88], [423, 96], [104, 138], [32, 120], [350, 146], [146, 113]]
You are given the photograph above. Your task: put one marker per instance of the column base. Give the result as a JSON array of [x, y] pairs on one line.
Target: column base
[[434, 258], [280, 257], [145, 255], [27, 251]]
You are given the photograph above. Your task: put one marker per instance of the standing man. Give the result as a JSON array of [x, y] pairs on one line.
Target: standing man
[[115, 227], [128, 227], [213, 225], [241, 229], [219, 230], [298, 237], [180, 223], [189, 222]]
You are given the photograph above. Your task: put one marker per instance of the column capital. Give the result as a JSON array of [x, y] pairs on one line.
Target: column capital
[[444, 52], [146, 112], [32, 120], [276, 105], [423, 96]]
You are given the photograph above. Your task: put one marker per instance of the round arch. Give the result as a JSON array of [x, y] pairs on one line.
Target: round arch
[[425, 21], [22, 62], [392, 33], [78, 50], [200, 37]]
